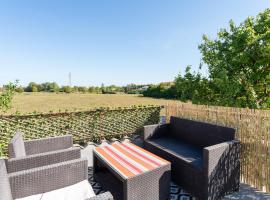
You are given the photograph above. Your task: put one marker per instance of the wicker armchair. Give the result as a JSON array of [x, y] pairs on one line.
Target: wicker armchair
[[20, 184], [205, 157], [42, 165], [36, 153]]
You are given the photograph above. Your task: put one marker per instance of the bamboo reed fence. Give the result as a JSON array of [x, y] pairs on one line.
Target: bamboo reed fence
[[253, 130]]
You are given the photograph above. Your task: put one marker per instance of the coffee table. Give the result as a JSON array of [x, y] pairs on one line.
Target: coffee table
[[140, 174]]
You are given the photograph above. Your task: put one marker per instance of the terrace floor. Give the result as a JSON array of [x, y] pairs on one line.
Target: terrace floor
[[177, 193]]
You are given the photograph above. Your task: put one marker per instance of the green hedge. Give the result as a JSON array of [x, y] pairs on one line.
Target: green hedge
[[86, 126]]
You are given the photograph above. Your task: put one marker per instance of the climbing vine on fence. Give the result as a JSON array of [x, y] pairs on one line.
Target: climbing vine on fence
[[92, 125]]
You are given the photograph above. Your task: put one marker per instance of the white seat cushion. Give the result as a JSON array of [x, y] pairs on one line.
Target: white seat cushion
[[79, 191]]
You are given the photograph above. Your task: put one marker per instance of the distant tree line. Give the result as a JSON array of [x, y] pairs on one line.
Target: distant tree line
[[54, 87], [238, 62], [165, 90]]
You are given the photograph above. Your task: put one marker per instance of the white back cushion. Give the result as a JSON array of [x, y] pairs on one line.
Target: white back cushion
[[79, 191], [18, 145]]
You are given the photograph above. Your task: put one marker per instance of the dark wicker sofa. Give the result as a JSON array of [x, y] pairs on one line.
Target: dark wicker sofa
[[205, 158]]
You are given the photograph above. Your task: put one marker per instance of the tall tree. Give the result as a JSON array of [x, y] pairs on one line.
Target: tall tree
[[239, 62]]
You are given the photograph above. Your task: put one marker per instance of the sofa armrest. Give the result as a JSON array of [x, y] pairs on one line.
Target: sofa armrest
[[47, 178], [223, 156], [155, 130], [43, 159], [103, 196]]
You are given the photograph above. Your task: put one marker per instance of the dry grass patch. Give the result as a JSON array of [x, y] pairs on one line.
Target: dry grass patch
[[52, 102]]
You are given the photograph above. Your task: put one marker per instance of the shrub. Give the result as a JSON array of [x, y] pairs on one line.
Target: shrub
[[82, 89], [66, 89], [19, 89], [7, 95]]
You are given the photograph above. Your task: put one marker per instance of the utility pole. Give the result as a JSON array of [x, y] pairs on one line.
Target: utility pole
[[69, 78]]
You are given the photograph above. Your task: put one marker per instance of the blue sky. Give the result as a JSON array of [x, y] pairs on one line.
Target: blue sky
[[109, 41]]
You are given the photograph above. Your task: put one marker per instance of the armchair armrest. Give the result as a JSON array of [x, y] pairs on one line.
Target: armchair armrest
[[43, 159], [48, 178], [223, 156], [103, 196], [155, 130]]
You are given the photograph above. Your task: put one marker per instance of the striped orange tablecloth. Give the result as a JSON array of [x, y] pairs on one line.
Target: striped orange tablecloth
[[129, 160]]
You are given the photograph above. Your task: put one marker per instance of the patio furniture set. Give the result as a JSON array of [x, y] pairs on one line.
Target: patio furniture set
[[202, 158]]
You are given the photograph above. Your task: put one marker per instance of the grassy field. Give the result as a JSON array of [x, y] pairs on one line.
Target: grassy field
[[47, 102]]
